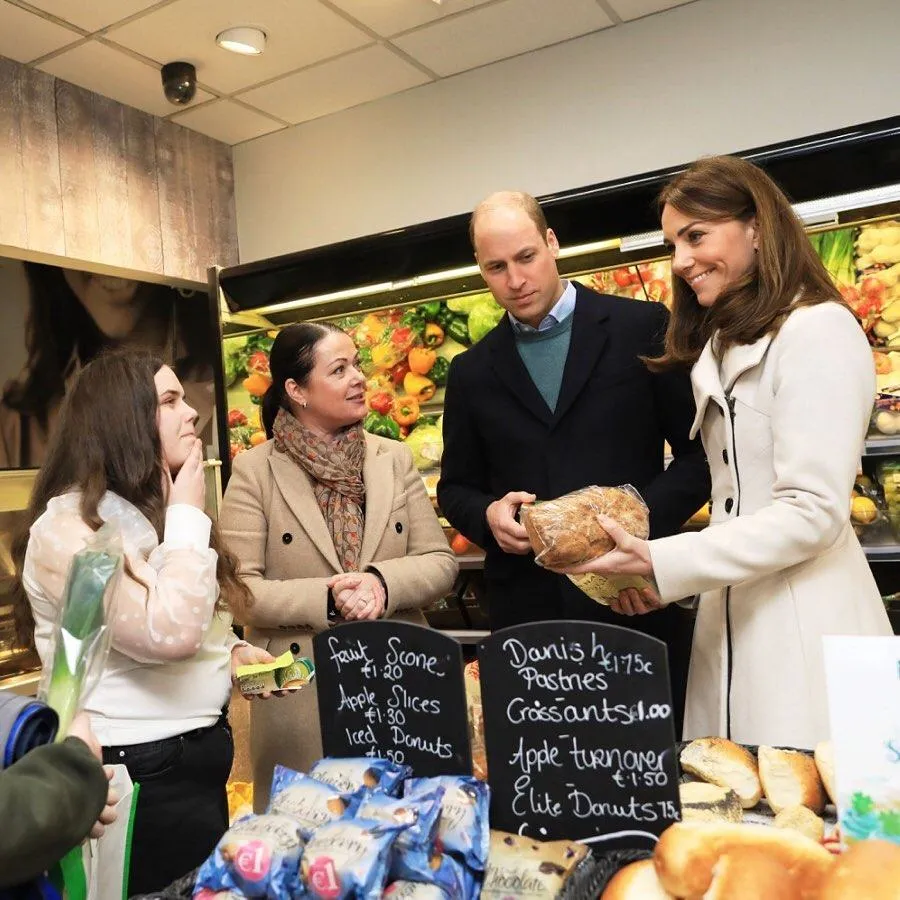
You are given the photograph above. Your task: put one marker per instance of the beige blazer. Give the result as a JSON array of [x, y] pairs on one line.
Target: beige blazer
[[271, 521], [783, 422]]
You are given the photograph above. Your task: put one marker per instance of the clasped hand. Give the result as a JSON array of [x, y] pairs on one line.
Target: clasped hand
[[358, 595]]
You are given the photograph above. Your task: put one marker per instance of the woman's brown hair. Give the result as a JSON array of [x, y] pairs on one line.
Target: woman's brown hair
[[107, 439], [722, 188]]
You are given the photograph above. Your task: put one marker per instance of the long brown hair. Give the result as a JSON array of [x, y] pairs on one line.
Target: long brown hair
[[107, 439], [722, 188]]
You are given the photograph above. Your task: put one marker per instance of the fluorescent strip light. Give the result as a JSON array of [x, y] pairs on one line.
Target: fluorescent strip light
[[641, 241]]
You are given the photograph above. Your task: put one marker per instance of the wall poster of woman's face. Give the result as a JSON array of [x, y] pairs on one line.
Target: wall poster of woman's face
[[56, 320]]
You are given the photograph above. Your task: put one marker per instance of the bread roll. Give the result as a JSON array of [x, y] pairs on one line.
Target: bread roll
[[702, 802], [720, 761], [824, 757], [869, 870], [802, 819], [636, 881], [749, 873], [790, 778], [688, 851], [565, 532]]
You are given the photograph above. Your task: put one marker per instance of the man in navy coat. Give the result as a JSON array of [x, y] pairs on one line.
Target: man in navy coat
[[556, 398]]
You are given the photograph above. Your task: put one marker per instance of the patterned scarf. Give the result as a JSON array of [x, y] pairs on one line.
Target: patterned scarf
[[335, 465]]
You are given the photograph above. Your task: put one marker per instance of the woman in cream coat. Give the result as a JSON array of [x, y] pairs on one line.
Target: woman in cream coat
[[784, 384], [300, 545]]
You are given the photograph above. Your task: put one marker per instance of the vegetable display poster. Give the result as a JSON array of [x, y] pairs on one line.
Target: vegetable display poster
[[862, 677]]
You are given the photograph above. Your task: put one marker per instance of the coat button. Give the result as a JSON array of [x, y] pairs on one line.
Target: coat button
[[286, 538], [729, 503], [725, 456], [399, 528]]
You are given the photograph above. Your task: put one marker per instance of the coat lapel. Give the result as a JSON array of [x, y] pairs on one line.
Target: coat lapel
[[378, 475], [295, 486], [510, 369], [741, 358], [587, 344]]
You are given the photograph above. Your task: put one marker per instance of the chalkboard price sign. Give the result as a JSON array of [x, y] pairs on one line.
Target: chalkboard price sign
[[393, 690], [578, 733]]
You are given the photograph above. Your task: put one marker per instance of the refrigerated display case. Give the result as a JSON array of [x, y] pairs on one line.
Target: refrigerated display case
[[413, 299]]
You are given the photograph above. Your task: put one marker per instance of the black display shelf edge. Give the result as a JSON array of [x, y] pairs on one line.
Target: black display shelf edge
[[849, 159]]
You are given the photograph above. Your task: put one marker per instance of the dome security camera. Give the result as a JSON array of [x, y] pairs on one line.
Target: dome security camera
[[179, 81]]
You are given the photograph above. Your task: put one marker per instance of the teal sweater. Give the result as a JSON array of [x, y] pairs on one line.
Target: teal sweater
[[544, 354]]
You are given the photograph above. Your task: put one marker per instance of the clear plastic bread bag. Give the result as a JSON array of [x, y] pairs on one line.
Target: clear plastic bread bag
[[83, 631], [566, 532]]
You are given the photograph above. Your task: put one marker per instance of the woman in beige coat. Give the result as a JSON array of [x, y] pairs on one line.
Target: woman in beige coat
[[784, 384], [329, 524]]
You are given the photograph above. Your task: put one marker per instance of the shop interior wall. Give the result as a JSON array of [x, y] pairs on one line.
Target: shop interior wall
[[87, 178], [713, 76]]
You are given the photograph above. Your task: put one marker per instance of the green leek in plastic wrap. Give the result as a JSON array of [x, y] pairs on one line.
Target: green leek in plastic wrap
[[82, 635]]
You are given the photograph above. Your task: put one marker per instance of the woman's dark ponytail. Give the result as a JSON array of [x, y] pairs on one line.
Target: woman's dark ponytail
[[270, 404]]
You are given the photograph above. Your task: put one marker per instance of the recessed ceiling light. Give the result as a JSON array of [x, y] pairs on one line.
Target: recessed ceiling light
[[244, 39]]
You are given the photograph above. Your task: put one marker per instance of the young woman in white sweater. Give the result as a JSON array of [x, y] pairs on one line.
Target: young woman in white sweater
[[125, 452]]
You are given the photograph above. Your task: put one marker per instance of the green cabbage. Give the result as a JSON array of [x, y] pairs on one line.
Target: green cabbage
[[427, 445], [465, 305], [483, 318]]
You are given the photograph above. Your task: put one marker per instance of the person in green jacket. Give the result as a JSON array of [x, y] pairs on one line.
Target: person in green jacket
[[50, 801]]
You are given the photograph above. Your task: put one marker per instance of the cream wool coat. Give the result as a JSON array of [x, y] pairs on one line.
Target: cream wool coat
[[272, 523], [783, 421]]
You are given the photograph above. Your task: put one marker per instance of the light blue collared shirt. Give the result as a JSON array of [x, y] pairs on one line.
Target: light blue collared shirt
[[562, 309]]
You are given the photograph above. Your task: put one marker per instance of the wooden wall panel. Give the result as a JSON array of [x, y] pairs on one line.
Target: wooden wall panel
[[40, 156], [12, 168], [111, 180], [143, 190], [78, 171], [85, 177]]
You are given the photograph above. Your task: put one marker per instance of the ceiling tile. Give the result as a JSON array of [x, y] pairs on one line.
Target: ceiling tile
[[634, 9], [400, 15], [300, 32], [336, 84], [499, 31], [25, 36], [110, 72], [92, 15], [226, 121]]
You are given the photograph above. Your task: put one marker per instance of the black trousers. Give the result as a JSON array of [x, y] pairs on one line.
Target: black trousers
[[182, 808]]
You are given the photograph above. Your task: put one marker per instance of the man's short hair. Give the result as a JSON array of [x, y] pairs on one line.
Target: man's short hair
[[517, 199]]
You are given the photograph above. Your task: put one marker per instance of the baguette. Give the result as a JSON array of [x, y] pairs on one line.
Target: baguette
[[824, 757], [636, 881], [869, 870], [748, 873], [722, 762], [790, 778], [688, 851], [802, 819], [566, 532]]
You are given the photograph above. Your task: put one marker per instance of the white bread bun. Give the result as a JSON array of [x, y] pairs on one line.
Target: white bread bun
[[720, 761], [790, 778], [869, 870], [824, 757], [802, 819], [703, 802], [636, 881], [688, 851], [749, 873]]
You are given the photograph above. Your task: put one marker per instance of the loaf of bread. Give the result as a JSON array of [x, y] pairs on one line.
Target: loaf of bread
[[702, 802], [824, 757], [636, 881], [790, 778], [566, 532], [720, 761], [802, 819], [749, 873], [869, 870], [687, 853]]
